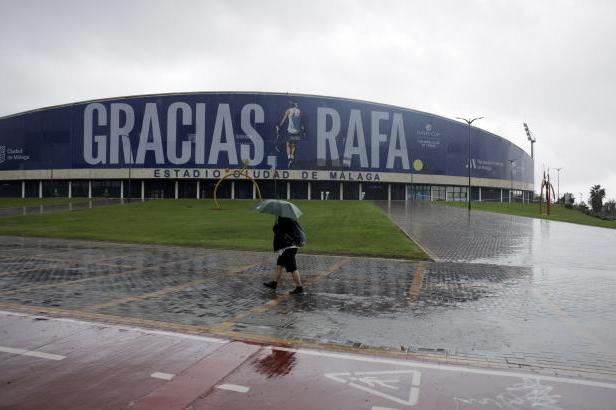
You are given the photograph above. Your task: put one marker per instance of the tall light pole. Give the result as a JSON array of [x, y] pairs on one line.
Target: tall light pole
[[469, 122], [511, 162], [558, 184], [531, 139]]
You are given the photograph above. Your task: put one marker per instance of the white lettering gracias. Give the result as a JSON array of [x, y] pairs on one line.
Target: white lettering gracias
[[108, 130]]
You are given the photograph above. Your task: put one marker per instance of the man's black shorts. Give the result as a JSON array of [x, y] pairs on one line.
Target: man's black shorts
[[287, 259]]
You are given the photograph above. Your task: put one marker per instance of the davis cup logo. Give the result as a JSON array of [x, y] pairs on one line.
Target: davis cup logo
[[2, 153], [428, 131]]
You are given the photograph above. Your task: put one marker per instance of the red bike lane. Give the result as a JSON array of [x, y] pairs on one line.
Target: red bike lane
[[312, 379], [60, 363]]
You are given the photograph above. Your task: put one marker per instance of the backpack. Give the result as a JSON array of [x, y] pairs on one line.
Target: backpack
[[298, 234]]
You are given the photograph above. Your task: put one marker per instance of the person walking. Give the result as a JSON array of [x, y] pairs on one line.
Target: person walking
[[286, 246]]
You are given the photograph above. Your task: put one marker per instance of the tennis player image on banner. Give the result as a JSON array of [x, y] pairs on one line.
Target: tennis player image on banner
[[294, 132]]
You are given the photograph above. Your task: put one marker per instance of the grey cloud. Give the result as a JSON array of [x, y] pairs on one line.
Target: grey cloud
[[549, 63]]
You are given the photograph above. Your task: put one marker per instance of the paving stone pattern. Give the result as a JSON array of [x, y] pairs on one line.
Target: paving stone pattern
[[477, 304]]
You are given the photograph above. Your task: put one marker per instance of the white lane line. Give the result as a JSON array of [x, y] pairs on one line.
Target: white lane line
[[205, 339], [43, 355], [32, 353], [12, 350], [162, 376], [233, 387], [182, 335], [382, 408], [409, 363]]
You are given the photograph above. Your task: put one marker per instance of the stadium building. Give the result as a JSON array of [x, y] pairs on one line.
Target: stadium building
[[293, 146]]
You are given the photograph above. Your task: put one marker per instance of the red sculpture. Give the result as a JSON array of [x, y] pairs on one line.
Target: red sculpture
[[549, 194]]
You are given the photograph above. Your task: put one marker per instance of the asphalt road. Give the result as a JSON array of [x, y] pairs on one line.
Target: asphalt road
[[63, 364]]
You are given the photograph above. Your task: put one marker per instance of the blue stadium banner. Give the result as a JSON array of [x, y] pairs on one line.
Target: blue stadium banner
[[264, 131]]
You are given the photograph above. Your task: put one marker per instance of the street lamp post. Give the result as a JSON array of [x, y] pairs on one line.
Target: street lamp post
[[469, 122], [511, 162], [275, 182], [558, 184]]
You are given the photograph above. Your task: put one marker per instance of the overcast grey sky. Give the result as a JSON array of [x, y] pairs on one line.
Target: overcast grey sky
[[551, 64]]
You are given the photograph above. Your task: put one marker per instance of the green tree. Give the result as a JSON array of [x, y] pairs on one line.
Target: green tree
[[610, 208], [596, 198]]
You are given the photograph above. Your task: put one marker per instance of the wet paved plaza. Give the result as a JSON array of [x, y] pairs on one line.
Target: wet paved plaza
[[503, 292]]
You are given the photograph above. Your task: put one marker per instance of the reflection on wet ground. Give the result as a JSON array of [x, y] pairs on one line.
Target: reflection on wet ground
[[454, 234], [274, 363], [69, 206], [498, 303]]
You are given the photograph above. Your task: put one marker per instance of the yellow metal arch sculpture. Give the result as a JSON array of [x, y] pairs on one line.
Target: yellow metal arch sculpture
[[236, 173]]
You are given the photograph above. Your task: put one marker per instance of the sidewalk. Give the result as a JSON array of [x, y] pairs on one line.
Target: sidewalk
[[450, 312]]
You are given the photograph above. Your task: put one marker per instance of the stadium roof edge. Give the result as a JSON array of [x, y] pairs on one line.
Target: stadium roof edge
[[246, 92]]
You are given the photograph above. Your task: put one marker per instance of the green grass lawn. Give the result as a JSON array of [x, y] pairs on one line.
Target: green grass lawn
[[18, 202], [558, 213], [332, 227]]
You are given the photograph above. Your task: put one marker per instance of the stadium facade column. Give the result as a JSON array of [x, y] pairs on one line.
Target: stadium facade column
[[40, 189], [360, 197], [89, 189], [142, 189], [232, 189], [309, 190], [121, 189], [288, 191], [70, 189], [479, 194], [254, 192], [175, 189], [198, 188], [501, 194], [341, 191], [388, 192], [23, 189]]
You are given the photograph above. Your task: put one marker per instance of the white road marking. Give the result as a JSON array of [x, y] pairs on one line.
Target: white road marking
[[399, 386], [12, 350], [382, 408], [233, 387], [43, 355], [162, 376], [181, 335], [136, 329], [409, 363], [32, 353]]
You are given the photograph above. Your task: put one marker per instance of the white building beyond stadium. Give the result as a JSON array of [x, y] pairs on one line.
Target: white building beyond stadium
[[294, 146]]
